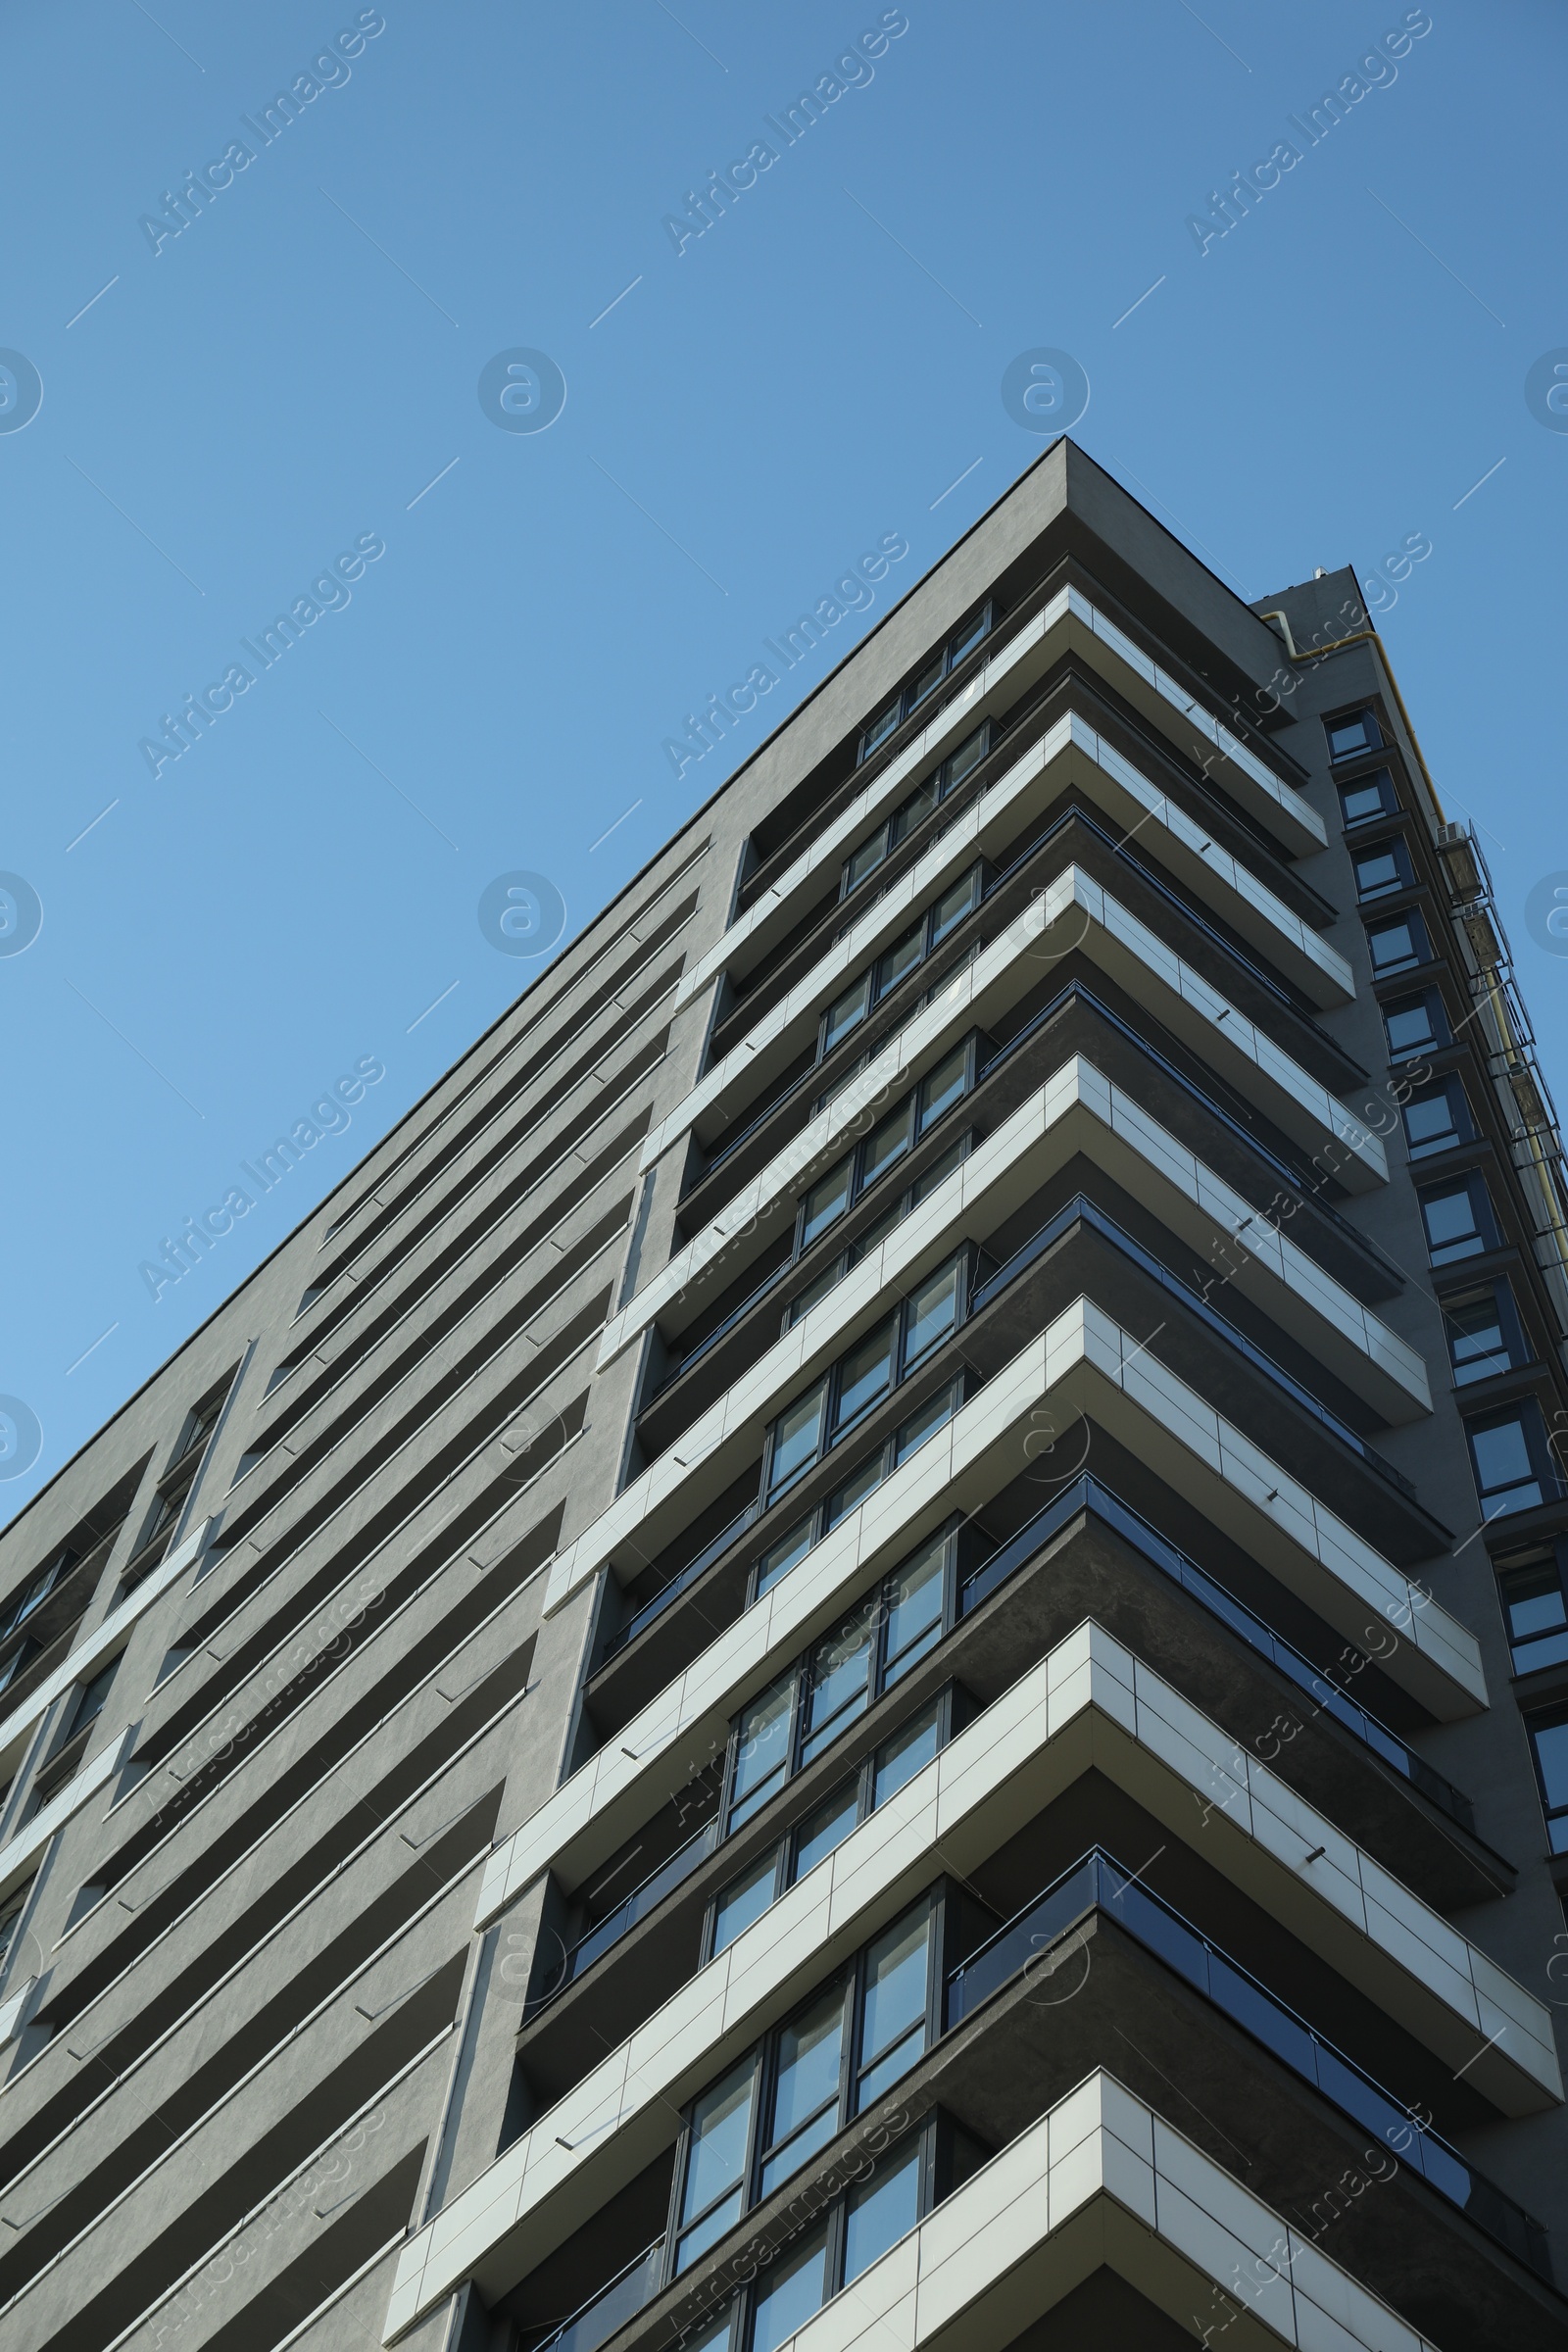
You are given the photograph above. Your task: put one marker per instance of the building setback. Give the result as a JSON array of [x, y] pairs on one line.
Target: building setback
[[868, 1644]]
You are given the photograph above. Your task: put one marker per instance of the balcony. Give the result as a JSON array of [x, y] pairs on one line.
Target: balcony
[[1209, 992], [1159, 1116], [1101, 1884], [1069, 619], [976, 1583]]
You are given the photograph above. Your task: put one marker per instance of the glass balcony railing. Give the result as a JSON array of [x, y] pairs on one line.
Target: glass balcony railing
[[1098, 1883], [1081, 1207], [679, 1583], [1088, 1493], [643, 1898], [595, 2321]]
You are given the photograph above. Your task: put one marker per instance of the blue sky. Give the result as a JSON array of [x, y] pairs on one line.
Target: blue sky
[[295, 375]]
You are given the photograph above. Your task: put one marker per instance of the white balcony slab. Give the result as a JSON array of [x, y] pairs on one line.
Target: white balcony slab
[[1074, 913], [1070, 752], [1079, 1110], [1071, 621]]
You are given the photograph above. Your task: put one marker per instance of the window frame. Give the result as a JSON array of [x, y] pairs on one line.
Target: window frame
[[860, 1153], [1388, 802], [875, 1468], [828, 1385], [1438, 1038], [1525, 1413], [1537, 1721], [762, 2060], [1488, 1233], [1365, 711], [1392, 846], [1449, 1089], [937, 2147], [883, 1674], [944, 662], [881, 977], [1421, 948], [896, 826], [1546, 1560], [1516, 1346]]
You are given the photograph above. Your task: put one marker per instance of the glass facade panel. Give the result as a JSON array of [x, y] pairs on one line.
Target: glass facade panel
[[761, 1750], [865, 1373], [790, 2293], [744, 1900], [882, 2211]]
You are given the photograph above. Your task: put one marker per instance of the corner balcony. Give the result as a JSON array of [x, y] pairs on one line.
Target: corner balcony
[[1070, 622], [1069, 912], [1069, 757], [990, 1606], [1089, 1707], [1078, 1115]]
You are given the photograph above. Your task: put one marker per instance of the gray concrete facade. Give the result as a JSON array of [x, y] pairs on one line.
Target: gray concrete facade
[[991, 1164]]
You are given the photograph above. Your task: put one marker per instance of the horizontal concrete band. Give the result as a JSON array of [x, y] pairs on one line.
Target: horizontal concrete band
[[1075, 913], [1089, 1705], [1069, 621], [1070, 750], [1079, 1110]]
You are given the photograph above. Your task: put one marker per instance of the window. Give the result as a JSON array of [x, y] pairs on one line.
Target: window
[[833, 1404], [37, 1590], [16, 1661], [894, 964], [881, 2211], [1354, 732], [879, 1777], [1549, 1744], [175, 1485], [1416, 1024], [1510, 1458], [803, 2081], [801, 1714], [925, 681], [1382, 866], [1399, 943], [856, 2230], [887, 1143], [1484, 1333], [11, 1910], [863, 1480], [90, 1699], [1438, 1118], [1535, 1607], [1459, 1219], [1370, 796], [719, 2142], [789, 2292], [895, 2004], [915, 808], [808, 2093]]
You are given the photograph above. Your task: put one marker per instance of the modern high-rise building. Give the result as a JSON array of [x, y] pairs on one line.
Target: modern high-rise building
[[868, 1645]]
